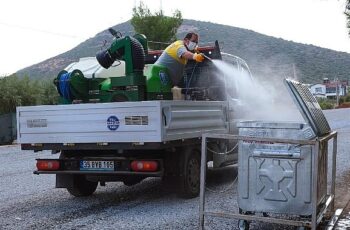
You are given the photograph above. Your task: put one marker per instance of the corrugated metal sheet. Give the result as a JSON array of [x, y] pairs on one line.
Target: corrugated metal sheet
[[8, 129]]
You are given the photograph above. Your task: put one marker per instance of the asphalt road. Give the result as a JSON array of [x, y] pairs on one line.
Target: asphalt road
[[28, 201]]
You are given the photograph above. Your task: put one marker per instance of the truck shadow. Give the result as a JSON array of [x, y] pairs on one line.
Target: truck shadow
[[59, 207]]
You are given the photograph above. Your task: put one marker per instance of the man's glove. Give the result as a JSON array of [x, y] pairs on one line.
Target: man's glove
[[198, 57]]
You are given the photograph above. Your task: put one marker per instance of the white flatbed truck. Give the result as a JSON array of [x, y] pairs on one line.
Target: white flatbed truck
[[123, 141]]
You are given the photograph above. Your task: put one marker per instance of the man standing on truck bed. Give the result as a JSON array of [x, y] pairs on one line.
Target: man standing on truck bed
[[176, 55]]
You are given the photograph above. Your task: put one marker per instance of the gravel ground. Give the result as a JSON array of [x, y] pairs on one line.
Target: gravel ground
[[28, 201]]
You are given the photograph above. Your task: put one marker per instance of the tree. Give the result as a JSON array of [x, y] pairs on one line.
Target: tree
[[16, 91], [347, 13], [48, 93], [157, 27]]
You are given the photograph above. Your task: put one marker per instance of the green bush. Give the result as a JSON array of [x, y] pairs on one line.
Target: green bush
[[326, 103], [16, 91], [347, 98]]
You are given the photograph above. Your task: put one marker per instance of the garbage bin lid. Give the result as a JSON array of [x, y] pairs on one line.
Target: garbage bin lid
[[308, 107]]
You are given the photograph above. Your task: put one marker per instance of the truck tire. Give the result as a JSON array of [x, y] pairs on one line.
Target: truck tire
[[130, 181], [190, 173], [81, 186], [77, 185]]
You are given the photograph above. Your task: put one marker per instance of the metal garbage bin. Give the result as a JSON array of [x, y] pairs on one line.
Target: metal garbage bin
[[282, 168], [275, 177]]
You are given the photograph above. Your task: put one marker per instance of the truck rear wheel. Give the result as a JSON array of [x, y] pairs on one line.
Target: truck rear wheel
[[82, 187], [130, 181], [190, 175]]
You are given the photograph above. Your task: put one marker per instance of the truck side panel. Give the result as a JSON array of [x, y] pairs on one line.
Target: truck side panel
[[192, 118], [120, 122], [90, 123]]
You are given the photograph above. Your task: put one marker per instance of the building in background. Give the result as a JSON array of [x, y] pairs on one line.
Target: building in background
[[318, 90], [330, 89]]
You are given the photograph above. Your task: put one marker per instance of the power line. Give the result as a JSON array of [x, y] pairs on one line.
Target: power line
[[39, 30]]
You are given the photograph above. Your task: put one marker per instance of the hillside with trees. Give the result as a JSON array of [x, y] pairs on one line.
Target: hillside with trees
[[266, 55]]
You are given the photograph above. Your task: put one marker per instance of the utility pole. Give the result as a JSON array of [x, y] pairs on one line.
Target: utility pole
[[294, 72], [337, 90]]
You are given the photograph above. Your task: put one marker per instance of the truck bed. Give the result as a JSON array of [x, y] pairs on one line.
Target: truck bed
[[120, 122]]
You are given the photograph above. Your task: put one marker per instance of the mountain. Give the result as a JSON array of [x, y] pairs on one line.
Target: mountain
[[266, 56]]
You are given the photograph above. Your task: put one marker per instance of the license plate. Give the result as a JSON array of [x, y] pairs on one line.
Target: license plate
[[97, 165]]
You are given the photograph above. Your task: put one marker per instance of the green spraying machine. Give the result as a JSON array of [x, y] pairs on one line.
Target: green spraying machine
[[136, 85]]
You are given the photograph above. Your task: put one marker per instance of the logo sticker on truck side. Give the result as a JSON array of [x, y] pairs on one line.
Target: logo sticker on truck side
[[36, 123], [113, 123]]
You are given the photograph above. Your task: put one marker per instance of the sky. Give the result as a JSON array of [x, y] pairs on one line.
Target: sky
[[35, 30]]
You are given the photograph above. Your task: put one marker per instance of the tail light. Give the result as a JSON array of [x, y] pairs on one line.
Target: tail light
[[144, 166], [47, 165]]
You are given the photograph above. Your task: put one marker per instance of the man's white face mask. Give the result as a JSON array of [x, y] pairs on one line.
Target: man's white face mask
[[191, 45]]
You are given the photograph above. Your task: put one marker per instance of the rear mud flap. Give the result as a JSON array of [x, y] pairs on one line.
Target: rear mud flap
[[64, 181]]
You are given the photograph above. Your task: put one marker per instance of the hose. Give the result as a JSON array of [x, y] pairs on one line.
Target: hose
[[223, 190], [138, 55], [189, 81], [226, 152], [64, 85]]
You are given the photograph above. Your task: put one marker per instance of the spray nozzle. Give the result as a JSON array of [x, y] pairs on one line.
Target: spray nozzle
[[207, 57]]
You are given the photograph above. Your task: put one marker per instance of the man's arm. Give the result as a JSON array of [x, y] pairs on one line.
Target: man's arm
[[188, 55], [184, 53], [198, 57]]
